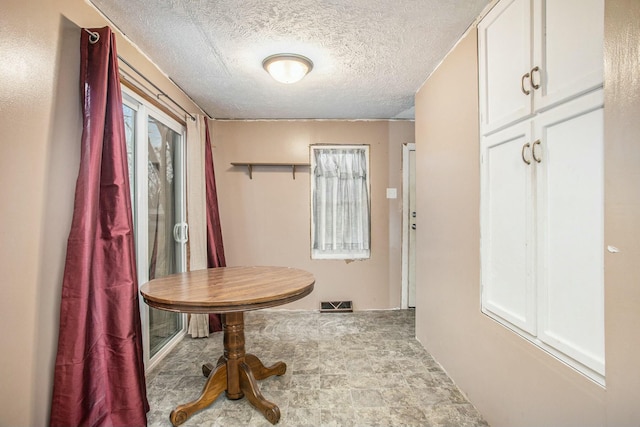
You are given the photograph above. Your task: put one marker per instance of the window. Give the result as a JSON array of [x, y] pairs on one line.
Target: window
[[340, 211], [155, 154]]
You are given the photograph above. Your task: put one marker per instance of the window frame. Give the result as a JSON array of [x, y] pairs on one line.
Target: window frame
[[317, 254]]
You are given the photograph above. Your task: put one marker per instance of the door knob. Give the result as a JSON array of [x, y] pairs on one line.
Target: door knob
[[413, 226]]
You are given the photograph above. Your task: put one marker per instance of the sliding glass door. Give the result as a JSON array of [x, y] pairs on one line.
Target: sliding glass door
[[155, 145]]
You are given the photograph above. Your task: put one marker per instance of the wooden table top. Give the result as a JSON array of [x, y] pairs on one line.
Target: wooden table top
[[227, 289]]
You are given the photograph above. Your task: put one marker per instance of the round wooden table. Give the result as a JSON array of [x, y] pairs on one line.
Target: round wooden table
[[230, 291]]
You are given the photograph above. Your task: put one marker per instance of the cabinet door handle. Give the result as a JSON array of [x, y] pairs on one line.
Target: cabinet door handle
[[524, 159], [533, 85], [533, 151], [524, 77]]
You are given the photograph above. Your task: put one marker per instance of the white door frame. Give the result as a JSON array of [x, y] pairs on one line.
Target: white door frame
[[406, 223], [140, 190]]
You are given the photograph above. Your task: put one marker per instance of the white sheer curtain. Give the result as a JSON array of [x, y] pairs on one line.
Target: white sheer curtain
[[197, 211], [340, 202]]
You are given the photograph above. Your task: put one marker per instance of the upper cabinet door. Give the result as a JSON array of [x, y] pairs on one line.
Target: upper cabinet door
[[521, 74], [568, 49], [505, 50]]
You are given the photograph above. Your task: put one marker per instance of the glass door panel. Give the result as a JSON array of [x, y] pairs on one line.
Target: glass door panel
[[163, 215], [155, 146], [130, 115]]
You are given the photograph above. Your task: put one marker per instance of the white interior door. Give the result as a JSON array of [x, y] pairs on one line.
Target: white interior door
[[411, 274], [408, 226]]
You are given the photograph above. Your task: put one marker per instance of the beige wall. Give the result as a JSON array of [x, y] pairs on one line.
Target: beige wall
[[622, 210], [265, 220], [40, 128], [512, 382]]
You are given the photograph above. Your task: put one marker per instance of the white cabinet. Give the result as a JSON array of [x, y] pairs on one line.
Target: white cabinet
[[570, 236], [504, 58], [534, 54], [542, 222], [542, 181], [507, 227]]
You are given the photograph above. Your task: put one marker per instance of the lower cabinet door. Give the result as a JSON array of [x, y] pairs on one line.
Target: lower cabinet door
[[570, 221], [542, 231], [507, 227]]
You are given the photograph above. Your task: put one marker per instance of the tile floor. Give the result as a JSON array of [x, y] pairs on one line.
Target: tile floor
[[343, 369]]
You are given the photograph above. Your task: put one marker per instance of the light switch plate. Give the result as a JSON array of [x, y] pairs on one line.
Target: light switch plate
[[392, 193]]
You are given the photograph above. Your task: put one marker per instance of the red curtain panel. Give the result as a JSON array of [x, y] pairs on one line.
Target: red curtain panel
[[99, 371], [215, 248]]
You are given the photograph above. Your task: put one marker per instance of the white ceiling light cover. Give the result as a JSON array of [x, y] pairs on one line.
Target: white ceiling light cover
[[287, 68]]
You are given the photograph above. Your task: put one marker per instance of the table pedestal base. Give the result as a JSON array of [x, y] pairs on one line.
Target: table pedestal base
[[236, 373]]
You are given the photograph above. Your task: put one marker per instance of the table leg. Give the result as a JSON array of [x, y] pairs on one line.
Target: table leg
[[215, 385], [260, 371], [250, 387], [207, 368], [233, 327], [236, 373]]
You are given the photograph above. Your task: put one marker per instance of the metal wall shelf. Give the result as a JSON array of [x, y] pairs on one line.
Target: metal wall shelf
[[251, 165]]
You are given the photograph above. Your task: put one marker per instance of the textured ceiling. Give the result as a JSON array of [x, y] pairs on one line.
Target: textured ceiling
[[370, 56]]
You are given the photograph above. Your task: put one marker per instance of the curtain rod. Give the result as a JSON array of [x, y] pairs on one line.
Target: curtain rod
[[94, 37], [160, 92], [131, 80]]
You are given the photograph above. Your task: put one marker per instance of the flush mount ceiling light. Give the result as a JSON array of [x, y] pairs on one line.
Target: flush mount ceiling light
[[287, 67]]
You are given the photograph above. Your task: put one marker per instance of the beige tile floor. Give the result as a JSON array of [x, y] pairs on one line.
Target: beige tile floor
[[343, 369]]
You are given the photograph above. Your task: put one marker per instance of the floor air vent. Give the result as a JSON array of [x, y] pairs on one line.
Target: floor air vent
[[336, 307]]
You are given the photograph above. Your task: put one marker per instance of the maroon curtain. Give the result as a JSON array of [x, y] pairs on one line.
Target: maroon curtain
[[215, 249], [99, 371]]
